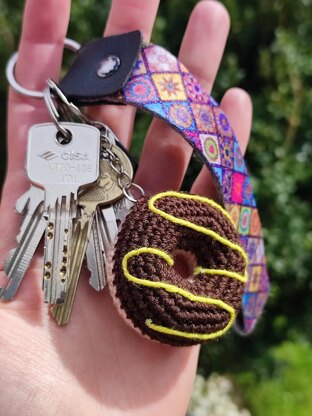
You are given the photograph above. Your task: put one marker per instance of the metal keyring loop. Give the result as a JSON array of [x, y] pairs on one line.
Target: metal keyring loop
[[125, 191], [70, 106], [70, 44], [54, 113]]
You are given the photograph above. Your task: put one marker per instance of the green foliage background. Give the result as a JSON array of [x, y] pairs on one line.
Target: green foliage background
[[269, 54]]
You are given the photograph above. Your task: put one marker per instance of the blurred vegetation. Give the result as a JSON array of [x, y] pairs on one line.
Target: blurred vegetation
[[269, 54], [287, 389]]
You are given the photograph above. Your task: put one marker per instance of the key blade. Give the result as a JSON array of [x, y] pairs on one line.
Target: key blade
[[109, 227], [95, 256], [22, 202], [20, 257], [122, 208], [26, 203], [57, 245], [62, 312], [105, 230]]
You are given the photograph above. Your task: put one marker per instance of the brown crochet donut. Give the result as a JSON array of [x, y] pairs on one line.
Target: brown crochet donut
[[175, 308]]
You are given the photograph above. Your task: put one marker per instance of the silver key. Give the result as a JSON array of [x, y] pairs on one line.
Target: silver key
[[122, 209], [61, 167], [32, 228], [95, 250], [110, 220], [95, 255], [22, 202], [109, 228], [104, 232]]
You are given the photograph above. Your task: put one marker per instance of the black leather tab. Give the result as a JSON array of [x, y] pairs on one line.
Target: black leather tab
[[86, 84]]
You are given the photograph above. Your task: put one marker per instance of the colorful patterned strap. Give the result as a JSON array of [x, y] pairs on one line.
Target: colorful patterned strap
[[162, 86]]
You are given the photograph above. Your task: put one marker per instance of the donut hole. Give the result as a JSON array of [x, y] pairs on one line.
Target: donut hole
[[185, 263]]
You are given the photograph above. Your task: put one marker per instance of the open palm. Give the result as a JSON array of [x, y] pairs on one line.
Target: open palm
[[97, 365]]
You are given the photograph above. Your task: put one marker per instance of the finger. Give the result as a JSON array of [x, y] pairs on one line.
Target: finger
[[125, 16], [237, 105], [201, 51], [40, 54]]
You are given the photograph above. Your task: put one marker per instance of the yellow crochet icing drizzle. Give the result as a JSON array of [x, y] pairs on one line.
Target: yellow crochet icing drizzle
[[199, 228], [175, 289], [220, 272]]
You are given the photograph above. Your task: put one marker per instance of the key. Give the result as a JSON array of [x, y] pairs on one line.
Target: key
[[95, 255], [61, 166], [104, 232], [112, 217], [110, 220], [32, 228], [109, 227], [21, 204], [122, 208], [105, 192]]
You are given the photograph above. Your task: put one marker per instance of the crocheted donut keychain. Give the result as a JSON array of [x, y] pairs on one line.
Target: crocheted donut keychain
[[156, 298], [219, 243]]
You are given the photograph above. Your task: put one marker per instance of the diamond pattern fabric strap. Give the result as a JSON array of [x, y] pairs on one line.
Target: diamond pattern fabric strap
[[162, 86]]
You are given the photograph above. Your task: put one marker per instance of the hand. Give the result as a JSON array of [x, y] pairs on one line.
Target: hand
[[97, 365]]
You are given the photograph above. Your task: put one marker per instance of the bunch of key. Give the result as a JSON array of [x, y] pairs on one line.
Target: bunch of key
[[79, 193]]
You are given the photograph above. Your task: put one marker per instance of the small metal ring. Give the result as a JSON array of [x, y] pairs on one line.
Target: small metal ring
[[124, 176], [50, 105], [126, 188], [54, 113], [70, 44], [58, 93], [116, 165]]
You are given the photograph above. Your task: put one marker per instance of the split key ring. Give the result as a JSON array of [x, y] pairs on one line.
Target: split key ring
[[69, 44]]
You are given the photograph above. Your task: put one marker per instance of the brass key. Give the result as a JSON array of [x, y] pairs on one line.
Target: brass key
[[106, 192]]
